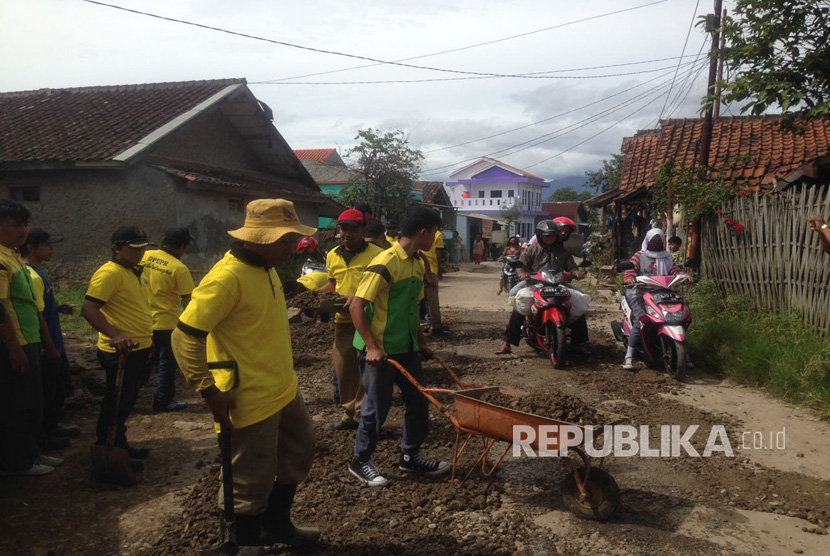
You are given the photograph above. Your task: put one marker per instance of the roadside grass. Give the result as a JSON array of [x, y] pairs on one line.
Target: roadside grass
[[775, 351], [75, 325]]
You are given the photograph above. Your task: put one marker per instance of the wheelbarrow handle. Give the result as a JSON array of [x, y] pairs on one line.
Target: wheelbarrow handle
[[464, 385], [422, 390]]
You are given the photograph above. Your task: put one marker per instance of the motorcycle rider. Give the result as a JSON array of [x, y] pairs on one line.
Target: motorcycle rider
[[512, 248], [652, 260], [549, 252]]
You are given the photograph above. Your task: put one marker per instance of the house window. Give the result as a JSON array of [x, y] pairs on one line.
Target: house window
[[29, 193], [495, 194], [235, 205], [510, 193], [481, 194]]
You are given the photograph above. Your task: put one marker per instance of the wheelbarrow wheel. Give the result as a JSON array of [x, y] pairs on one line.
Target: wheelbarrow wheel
[[603, 494]]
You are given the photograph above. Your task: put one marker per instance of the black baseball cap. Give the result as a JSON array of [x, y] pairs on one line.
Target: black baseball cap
[[177, 236], [132, 236], [39, 235]]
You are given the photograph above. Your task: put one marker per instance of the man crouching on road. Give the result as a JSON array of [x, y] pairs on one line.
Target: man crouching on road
[[385, 314], [237, 316]]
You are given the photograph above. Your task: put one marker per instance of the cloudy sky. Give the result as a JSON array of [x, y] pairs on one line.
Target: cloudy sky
[[569, 120]]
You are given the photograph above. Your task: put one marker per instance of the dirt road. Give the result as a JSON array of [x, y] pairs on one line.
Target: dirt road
[[764, 501]]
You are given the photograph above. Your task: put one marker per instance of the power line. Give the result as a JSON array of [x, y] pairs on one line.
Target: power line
[[459, 49], [674, 103], [493, 76], [561, 131], [546, 119], [301, 47], [686, 42]]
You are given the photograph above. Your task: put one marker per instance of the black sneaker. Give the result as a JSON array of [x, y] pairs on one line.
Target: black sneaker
[[417, 464], [368, 473]]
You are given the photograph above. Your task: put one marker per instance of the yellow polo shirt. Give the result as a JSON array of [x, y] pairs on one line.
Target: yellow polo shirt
[[17, 291], [168, 279], [125, 306], [38, 289], [432, 254], [393, 284], [392, 239], [240, 306], [346, 270], [313, 280]]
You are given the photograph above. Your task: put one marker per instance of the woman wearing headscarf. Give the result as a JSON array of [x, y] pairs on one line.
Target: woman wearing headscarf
[[652, 260]]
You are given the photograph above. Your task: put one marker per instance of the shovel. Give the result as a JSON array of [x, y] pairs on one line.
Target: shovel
[[111, 465], [229, 545]]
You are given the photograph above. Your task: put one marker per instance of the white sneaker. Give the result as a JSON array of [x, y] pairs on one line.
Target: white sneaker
[[36, 469], [628, 364], [50, 461]]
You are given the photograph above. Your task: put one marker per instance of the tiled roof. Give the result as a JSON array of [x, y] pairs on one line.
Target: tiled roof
[[244, 181], [522, 172], [429, 189], [752, 150], [567, 208], [319, 155], [92, 123]]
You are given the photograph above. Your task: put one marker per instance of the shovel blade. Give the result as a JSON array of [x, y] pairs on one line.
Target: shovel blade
[[112, 466]]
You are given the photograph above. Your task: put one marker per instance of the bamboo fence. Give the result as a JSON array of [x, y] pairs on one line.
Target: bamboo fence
[[777, 261]]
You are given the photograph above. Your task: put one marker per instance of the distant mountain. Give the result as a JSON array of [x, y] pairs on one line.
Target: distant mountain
[[577, 183]]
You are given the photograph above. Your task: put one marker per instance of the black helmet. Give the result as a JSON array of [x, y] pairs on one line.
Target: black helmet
[[547, 228]]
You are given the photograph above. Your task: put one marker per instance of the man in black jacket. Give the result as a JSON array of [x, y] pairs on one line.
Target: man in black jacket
[[548, 252]]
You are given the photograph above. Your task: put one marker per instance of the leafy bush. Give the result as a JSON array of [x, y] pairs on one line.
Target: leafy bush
[[776, 351]]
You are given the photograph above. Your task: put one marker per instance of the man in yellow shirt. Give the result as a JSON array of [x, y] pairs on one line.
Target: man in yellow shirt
[[20, 359], [346, 265], [169, 284], [432, 256], [116, 305], [392, 232], [385, 314], [233, 345]]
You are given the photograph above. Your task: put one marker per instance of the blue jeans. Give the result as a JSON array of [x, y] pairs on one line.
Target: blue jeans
[[378, 383], [166, 381]]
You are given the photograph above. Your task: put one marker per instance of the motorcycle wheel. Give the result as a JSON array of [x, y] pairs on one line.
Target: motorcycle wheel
[[557, 346], [674, 357]]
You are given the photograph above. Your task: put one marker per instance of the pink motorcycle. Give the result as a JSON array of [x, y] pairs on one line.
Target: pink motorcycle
[[663, 325]]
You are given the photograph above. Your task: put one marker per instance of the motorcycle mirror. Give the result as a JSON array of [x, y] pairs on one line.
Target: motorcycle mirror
[[692, 263], [585, 263], [625, 265]]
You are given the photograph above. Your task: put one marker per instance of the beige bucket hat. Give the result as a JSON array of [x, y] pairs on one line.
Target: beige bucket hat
[[267, 220]]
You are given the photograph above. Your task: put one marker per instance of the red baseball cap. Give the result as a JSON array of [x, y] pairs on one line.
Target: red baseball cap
[[352, 216]]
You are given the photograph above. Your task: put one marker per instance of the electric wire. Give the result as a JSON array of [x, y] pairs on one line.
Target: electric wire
[[459, 49], [686, 42], [297, 46], [536, 141]]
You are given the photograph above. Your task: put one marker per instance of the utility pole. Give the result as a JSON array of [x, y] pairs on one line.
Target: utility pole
[[713, 23], [720, 68]]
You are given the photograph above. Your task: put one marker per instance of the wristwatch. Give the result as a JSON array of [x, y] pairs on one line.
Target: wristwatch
[[824, 227]]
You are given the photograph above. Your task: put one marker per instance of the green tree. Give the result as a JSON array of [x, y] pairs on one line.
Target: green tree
[[607, 178], [779, 53], [510, 215], [388, 167], [565, 194]]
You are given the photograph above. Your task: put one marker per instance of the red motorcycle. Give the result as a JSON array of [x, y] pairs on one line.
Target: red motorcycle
[[545, 328]]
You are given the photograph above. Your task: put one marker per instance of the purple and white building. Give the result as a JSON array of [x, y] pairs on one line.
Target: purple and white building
[[488, 186]]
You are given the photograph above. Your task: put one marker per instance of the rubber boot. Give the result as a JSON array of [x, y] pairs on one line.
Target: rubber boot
[[276, 524], [248, 530]]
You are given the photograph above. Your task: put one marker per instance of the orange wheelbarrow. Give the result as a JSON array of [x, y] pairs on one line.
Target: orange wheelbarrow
[[589, 492]]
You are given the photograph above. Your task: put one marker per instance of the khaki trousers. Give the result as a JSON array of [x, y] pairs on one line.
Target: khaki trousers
[[431, 294], [279, 449], [344, 357]]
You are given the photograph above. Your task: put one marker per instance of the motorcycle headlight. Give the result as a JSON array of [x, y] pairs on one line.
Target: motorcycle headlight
[[651, 312], [674, 318]]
